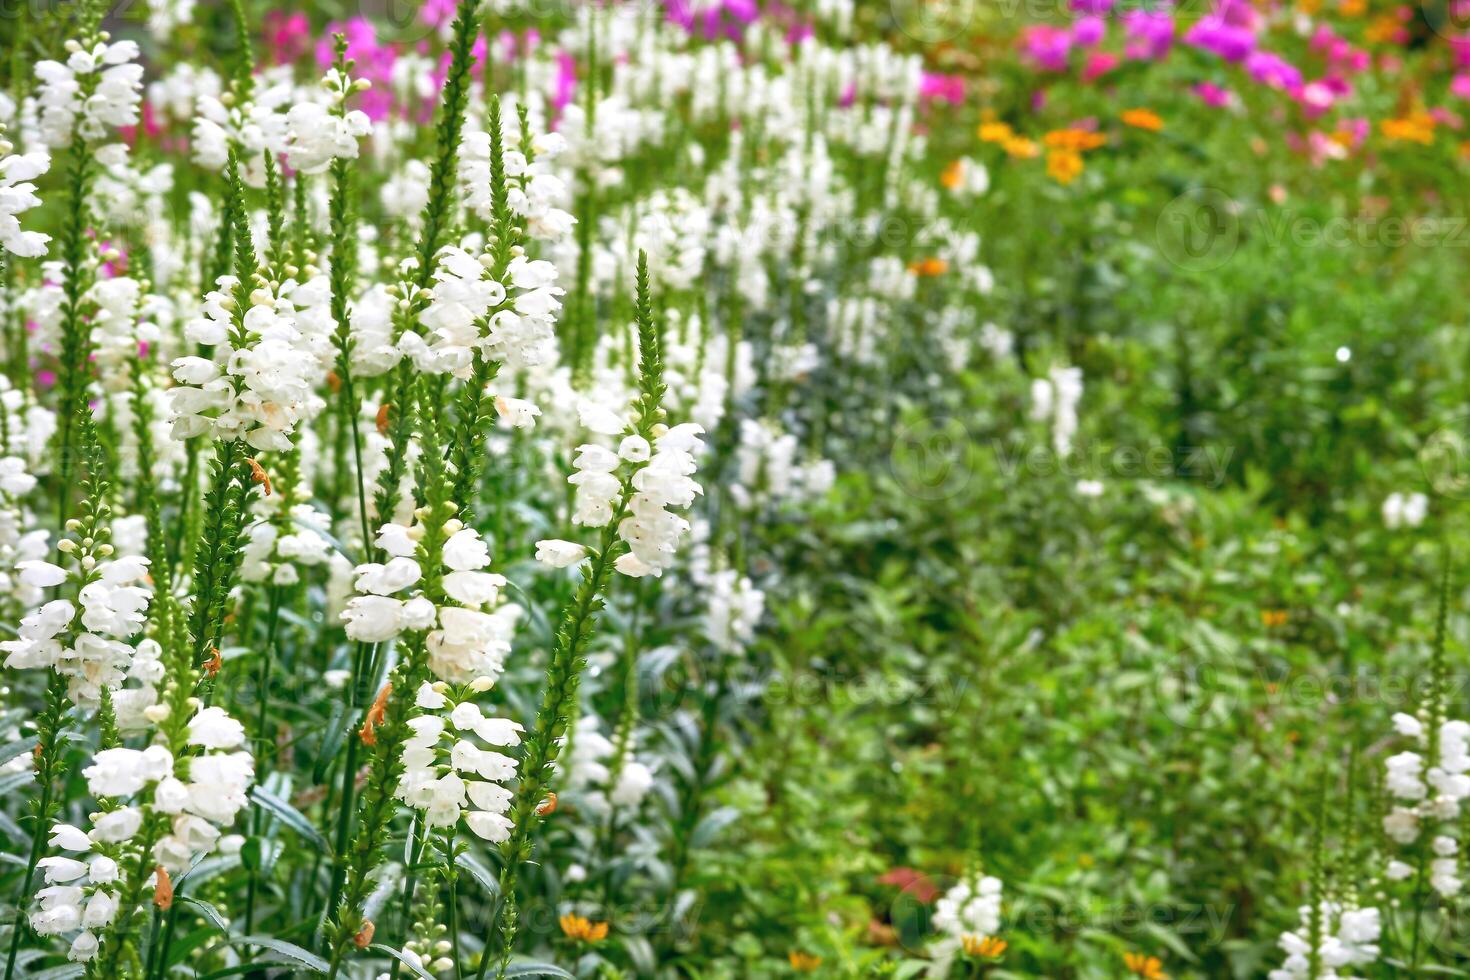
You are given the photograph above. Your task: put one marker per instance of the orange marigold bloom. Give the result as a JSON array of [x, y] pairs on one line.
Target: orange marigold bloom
[[996, 132], [1148, 967], [1063, 166], [1076, 140], [986, 947], [1352, 8], [803, 962], [1417, 127], [1143, 119], [582, 930], [1022, 148]]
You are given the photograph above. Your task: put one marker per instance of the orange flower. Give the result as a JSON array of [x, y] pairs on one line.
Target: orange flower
[[1384, 29], [582, 930], [1148, 967], [1352, 8], [1022, 148], [1143, 119], [929, 268], [1063, 166], [985, 947], [996, 132], [803, 962], [1075, 140], [1273, 618], [1417, 127], [954, 176]]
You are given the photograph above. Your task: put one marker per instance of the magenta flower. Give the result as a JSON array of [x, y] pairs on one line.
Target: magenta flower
[[1150, 34], [287, 36], [1212, 94], [1088, 31], [943, 88], [1048, 46], [1273, 71], [1460, 86], [1222, 39]]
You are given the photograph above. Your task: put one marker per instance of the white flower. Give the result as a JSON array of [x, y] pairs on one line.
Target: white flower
[[95, 89], [466, 550], [1402, 510], [518, 413], [18, 195], [213, 728], [556, 553], [315, 136]]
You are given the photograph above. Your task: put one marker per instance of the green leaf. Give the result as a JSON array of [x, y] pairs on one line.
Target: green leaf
[[209, 912], [291, 817], [397, 954], [65, 972], [302, 957], [536, 970], [711, 825], [479, 872], [16, 748]]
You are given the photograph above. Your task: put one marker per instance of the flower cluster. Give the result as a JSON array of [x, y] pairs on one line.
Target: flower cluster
[[1435, 793], [448, 776], [1349, 938]]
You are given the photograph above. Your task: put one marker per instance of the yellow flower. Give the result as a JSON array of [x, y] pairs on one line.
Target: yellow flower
[[1148, 967], [581, 930], [996, 132], [1272, 618], [1075, 140], [1022, 148], [803, 962], [1063, 166], [1143, 119], [985, 947]]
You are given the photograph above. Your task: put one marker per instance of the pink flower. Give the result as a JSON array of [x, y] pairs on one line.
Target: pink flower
[[1460, 86], [1099, 63], [943, 88], [1150, 33], [1316, 98], [1048, 46], [287, 36], [1088, 31], [1213, 95], [566, 81]]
